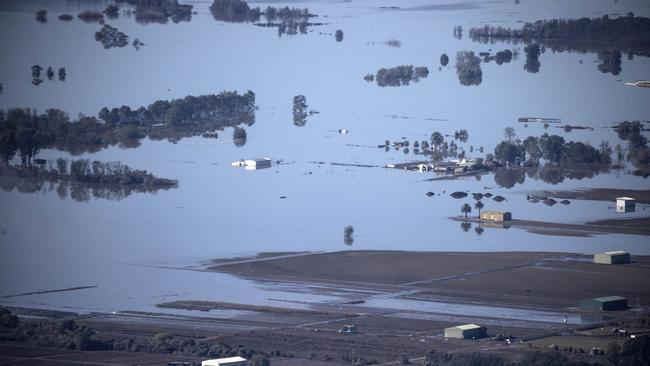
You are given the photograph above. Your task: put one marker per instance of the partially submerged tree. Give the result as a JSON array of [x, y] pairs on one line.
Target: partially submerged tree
[[347, 235], [466, 209]]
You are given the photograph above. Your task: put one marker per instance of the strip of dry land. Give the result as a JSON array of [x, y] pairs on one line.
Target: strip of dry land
[[601, 194], [637, 226]]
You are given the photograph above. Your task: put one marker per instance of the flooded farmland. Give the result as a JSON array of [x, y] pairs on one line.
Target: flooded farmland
[[323, 127]]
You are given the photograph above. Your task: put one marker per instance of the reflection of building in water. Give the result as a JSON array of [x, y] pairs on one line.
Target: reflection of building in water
[[495, 224], [495, 216], [252, 164], [625, 204], [615, 257]]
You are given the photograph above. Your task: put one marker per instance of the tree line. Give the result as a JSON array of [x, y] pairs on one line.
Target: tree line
[[624, 32], [81, 179], [240, 11], [159, 11], [25, 132]]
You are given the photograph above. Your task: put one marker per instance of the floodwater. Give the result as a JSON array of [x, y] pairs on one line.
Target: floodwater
[[219, 211]]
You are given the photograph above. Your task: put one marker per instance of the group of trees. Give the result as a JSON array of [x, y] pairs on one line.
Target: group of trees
[[500, 57], [41, 16], [553, 149], [240, 11], [36, 74], [461, 135], [159, 11], [69, 334], [562, 159], [638, 151], [26, 132], [91, 16], [400, 75], [468, 68], [299, 110], [111, 37], [610, 62], [605, 36], [628, 31], [81, 179], [532, 58]]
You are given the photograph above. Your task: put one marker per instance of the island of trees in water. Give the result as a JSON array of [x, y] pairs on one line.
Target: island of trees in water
[[25, 132], [80, 179], [145, 12], [36, 74], [549, 158], [287, 20], [605, 36], [398, 76], [552, 159]]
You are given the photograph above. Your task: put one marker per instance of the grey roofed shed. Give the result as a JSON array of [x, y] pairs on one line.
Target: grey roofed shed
[[604, 303]]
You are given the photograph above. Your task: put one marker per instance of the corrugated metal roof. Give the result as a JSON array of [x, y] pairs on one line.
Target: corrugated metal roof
[[624, 198]]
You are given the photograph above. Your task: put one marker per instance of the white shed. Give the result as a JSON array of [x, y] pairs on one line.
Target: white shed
[[229, 361], [625, 204], [260, 163]]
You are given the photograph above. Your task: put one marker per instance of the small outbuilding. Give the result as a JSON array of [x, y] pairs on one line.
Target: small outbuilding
[[229, 361], [466, 331], [625, 204], [604, 303], [261, 163], [615, 257], [495, 216]]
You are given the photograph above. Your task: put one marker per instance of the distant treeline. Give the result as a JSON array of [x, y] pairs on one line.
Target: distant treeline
[[26, 132], [68, 334], [146, 11], [239, 11], [159, 11], [287, 20], [628, 33], [81, 179]]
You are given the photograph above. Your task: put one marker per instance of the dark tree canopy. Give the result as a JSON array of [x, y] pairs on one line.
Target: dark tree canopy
[[468, 68], [444, 60]]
